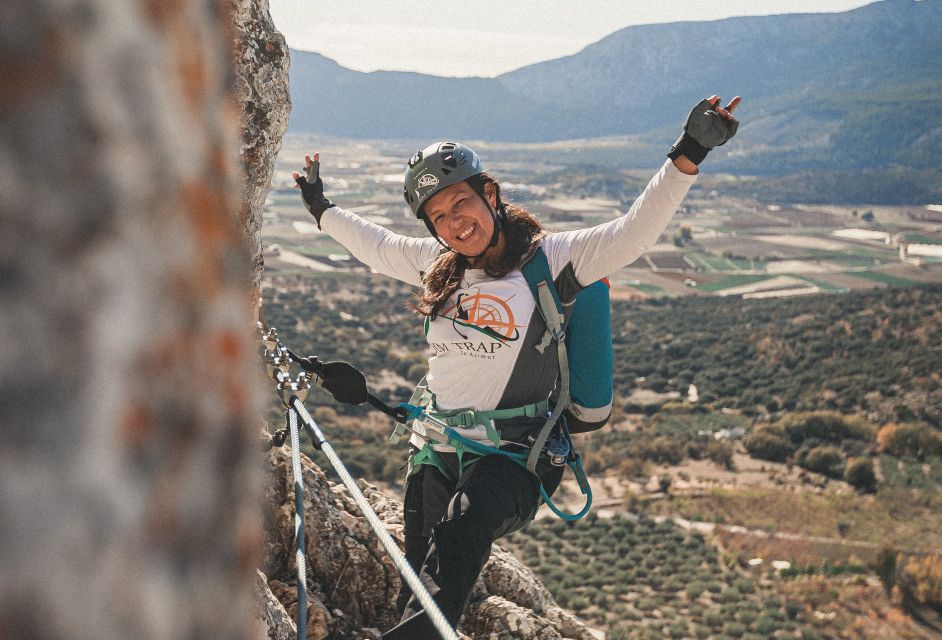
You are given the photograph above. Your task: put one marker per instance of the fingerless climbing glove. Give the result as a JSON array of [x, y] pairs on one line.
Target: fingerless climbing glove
[[312, 191], [703, 130]]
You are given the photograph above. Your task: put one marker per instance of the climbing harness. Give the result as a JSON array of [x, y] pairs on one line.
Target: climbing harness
[[441, 432], [345, 380]]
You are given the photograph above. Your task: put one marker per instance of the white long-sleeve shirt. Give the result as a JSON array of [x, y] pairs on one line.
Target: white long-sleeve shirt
[[483, 341]]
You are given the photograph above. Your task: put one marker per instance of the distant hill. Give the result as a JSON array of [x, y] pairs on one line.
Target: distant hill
[[855, 90]]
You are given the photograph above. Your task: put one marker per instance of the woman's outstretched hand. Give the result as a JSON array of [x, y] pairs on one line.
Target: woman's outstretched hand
[[312, 187], [708, 125]]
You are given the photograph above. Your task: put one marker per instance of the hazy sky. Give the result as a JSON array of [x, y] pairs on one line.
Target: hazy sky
[[489, 37]]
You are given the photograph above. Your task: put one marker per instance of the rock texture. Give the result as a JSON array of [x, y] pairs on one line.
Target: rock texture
[[261, 84], [129, 476], [354, 583], [278, 625]]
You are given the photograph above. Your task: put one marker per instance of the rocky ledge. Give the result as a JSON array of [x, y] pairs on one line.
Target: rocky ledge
[[353, 583]]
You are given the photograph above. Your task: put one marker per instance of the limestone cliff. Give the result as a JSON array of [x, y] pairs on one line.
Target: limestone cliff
[[261, 63]]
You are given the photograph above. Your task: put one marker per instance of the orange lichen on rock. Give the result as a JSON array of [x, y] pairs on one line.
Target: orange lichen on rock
[[191, 69], [137, 425], [208, 211]]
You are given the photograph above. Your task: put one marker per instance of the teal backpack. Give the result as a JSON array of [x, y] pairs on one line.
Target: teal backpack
[[582, 327]]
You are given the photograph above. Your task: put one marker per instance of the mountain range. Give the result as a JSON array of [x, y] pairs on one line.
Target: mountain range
[[833, 92]]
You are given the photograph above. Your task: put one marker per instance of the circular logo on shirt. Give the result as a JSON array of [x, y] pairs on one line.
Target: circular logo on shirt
[[486, 311]]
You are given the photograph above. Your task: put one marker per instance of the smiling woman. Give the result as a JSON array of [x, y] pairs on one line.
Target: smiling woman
[[497, 354]]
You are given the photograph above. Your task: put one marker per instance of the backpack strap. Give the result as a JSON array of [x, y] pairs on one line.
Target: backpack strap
[[537, 273], [536, 270]]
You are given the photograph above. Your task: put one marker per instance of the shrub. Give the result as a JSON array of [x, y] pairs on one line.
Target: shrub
[[860, 475], [828, 426], [766, 626], [768, 444], [731, 595], [714, 586], [674, 585], [746, 616], [632, 467], [720, 453], [714, 618], [915, 440], [662, 449], [620, 632], [921, 580], [826, 460], [745, 585]]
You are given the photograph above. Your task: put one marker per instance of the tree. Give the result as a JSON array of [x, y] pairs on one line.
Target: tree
[[664, 482], [915, 440], [860, 475], [768, 444], [921, 580], [826, 460], [721, 453]]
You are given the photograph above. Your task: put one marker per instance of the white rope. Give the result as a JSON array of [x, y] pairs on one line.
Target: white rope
[[298, 522], [379, 528]]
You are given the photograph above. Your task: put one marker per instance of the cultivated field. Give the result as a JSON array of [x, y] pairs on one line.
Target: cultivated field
[[715, 245]]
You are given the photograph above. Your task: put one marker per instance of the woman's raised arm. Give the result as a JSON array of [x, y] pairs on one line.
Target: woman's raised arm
[[601, 250], [391, 254]]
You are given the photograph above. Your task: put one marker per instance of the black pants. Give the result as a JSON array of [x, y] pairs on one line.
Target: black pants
[[449, 528]]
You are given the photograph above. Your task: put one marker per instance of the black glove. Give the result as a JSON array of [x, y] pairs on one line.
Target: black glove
[[344, 382], [312, 191], [703, 130]]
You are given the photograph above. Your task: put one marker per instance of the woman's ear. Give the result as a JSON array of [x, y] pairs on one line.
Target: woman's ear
[[490, 190]]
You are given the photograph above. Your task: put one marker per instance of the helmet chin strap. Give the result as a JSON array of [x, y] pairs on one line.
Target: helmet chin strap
[[498, 218]]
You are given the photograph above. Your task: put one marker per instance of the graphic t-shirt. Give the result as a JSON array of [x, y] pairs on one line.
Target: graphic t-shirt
[[483, 344]]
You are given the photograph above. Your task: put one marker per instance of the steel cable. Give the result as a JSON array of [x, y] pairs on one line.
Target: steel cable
[[379, 528], [298, 521]]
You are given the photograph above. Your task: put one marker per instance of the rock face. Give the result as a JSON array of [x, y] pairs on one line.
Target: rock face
[[261, 84], [355, 582], [129, 477]]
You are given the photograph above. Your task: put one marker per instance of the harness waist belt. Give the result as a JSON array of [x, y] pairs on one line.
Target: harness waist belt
[[469, 417]]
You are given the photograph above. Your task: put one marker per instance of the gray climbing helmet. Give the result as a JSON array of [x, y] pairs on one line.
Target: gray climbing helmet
[[435, 167]]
